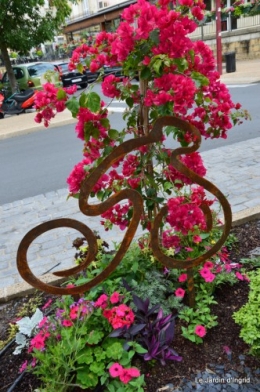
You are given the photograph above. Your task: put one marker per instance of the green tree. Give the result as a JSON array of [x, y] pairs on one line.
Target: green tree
[[28, 23]]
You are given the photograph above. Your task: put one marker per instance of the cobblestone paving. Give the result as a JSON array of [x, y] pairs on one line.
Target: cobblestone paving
[[234, 169]]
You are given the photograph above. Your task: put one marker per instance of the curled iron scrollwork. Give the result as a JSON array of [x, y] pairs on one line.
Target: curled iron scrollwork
[[135, 197]]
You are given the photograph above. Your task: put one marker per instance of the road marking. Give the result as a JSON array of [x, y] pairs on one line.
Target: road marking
[[240, 85], [118, 109]]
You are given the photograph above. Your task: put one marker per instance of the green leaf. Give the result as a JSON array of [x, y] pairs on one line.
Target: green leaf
[[200, 79], [105, 122], [157, 66], [167, 185], [130, 102], [115, 351], [113, 134], [87, 378], [97, 368], [94, 337], [145, 73], [80, 67], [182, 64], [94, 102], [192, 338], [154, 36], [91, 101], [140, 350], [111, 388], [85, 356], [73, 106], [61, 94]]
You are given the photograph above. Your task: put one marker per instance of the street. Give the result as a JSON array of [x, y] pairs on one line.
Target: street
[[40, 162]]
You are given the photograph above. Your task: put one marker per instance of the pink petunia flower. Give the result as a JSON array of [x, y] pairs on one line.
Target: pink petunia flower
[[67, 323], [183, 278], [204, 272], [208, 265], [101, 301], [239, 276], [115, 297], [23, 367], [180, 292], [207, 274], [197, 239], [125, 376], [115, 369], [209, 278], [134, 372], [48, 303], [200, 330]]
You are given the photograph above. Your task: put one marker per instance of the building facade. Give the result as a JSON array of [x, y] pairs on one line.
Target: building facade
[[240, 26]]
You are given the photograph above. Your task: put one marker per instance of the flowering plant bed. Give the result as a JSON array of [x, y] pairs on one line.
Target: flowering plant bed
[[222, 350]]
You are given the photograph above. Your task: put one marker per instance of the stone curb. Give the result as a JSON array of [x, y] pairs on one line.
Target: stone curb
[[10, 133], [22, 289]]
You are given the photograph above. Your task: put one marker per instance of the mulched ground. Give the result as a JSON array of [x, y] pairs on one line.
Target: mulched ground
[[196, 358]]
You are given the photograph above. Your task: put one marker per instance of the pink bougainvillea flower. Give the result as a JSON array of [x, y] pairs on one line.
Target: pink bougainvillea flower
[[180, 292], [115, 369], [182, 278], [115, 297], [200, 330]]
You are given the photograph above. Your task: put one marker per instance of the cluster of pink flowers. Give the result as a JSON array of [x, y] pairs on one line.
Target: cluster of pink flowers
[[192, 161], [206, 273], [184, 215], [117, 215], [118, 316], [125, 375], [51, 100], [78, 311]]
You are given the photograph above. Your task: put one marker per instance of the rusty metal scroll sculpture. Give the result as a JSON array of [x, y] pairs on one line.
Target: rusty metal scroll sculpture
[[94, 210]]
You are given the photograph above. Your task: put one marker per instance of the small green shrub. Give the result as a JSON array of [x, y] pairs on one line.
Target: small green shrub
[[249, 315]]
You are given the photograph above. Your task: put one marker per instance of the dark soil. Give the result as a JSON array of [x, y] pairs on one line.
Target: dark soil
[[196, 358]]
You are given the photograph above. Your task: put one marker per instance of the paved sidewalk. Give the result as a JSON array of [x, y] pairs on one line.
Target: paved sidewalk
[[234, 169]]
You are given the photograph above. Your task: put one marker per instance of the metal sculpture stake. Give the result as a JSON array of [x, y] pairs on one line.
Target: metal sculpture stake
[[94, 210]]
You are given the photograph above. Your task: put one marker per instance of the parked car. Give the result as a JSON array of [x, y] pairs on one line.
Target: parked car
[[92, 76], [71, 77], [32, 75]]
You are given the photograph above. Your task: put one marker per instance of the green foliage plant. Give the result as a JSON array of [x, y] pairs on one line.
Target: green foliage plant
[[248, 317], [72, 347]]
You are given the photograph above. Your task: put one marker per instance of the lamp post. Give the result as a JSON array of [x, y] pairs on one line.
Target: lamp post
[[218, 37]]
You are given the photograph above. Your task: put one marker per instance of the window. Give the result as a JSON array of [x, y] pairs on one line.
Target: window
[[18, 73], [40, 69]]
